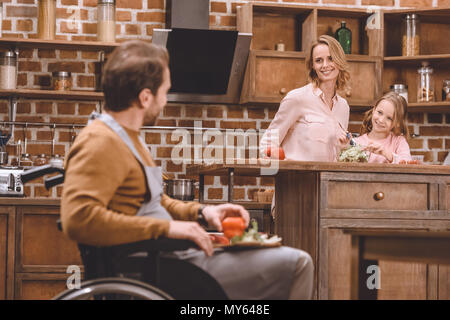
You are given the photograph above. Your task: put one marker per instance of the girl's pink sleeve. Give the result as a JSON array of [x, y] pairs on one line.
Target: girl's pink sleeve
[[402, 152]]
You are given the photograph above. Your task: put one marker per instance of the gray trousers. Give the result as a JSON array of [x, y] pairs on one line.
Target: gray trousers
[[258, 274]]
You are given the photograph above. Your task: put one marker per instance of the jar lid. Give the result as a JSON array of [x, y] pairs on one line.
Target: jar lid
[[8, 54], [425, 70], [107, 2], [412, 16], [61, 74], [398, 86]]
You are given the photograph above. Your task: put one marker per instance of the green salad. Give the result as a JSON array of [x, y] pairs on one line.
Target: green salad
[[252, 235], [353, 154]]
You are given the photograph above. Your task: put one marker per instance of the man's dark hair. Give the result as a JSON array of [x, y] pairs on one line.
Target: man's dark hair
[[132, 67]]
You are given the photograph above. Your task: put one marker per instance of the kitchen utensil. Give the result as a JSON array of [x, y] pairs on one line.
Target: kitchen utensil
[[181, 189], [352, 141]]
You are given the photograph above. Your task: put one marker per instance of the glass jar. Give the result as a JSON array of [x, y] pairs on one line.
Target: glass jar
[[446, 90], [62, 80], [401, 89], [425, 83], [40, 160], [47, 19], [25, 160], [57, 161], [411, 35], [8, 70], [106, 20]]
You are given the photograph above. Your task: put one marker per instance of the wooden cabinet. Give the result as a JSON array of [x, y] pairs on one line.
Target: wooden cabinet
[[434, 49], [375, 63], [34, 254]]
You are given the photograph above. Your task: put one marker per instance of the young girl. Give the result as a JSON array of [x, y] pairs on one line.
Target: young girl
[[384, 131]]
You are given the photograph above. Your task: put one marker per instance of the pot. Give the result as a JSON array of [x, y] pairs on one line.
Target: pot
[[181, 189]]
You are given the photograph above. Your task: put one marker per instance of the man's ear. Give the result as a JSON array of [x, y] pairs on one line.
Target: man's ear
[[145, 96]]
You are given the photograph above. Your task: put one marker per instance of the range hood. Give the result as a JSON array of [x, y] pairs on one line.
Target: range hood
[[206, 66]]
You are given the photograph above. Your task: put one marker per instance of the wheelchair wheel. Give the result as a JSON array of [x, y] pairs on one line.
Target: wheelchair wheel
[[113, 288]]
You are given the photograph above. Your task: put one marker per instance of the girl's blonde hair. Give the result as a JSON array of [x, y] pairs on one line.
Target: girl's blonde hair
[[400, 115], [338, 56]]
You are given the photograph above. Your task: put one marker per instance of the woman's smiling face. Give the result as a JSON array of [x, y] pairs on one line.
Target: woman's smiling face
[[323, 64]]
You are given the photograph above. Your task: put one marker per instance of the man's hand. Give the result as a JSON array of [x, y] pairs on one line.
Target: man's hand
[[215, 214], [191, 231]]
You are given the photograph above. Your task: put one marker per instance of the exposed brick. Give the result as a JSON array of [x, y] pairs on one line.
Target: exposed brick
[[85, 81], [170, 139], [65, 27], [89, 55], [435, 118], [238, 124], [235, 112], [427, 156], [66, 13], [69, 2], [44, 107], [390, 3], [447, 118], [67, 54], [435, 131], [46, 53], [172, 111], [30, 66], [89, 28], [256, 113], [6, 25], [172, 167], [149, 28], [215, 193], [24, 25], [68, 120], [123, 15], [12, 35], [129, 4], [24, 1], [239, 193], [64, 136], [132, 29], [218, 7], [267, 181], [4, 107], [272, 111], [435, 143], [42, 80], [23, 107], [89, 3], [22, 79], [77, 67], [415, 117], [447, 144], [239, 181], [227, 21], [150, 17], [21, 11], [214, 112], [44, 135], [416, 3], [84, 38], [212, 20], [163, 152], [166, 123], [442, 155], [186, 123], [155, 4], [65, 108], [153, 137], [416, 143], [194, 112], [40, 191], [86, 108]]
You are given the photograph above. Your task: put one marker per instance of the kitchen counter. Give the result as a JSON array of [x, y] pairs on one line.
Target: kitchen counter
[[316, 201], [24, 201]]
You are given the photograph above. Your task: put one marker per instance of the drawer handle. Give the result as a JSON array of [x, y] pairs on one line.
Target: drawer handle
[[378, 196], [283, 91]]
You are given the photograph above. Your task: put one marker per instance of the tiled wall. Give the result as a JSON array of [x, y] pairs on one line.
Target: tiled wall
[[136, 20]]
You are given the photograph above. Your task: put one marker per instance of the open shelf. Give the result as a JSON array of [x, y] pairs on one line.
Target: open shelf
[[52, 94], [58, 44], [431, 107]]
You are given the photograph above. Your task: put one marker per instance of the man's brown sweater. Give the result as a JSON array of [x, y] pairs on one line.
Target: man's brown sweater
[[104, 188]]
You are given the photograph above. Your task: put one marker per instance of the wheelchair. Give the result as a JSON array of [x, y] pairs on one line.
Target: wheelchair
[[135, 271]]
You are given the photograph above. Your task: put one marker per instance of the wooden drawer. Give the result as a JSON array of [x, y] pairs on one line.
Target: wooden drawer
[[383, 196], [39, 286], [40, 246], [7, 215]]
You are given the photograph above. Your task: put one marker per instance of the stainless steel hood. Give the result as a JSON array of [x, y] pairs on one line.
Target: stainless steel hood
[[204, 66]]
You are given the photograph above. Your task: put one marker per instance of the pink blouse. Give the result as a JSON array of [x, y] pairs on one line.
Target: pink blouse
[[396, 144], [305, 127]]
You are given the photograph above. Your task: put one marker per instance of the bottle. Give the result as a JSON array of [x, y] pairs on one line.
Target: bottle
[[411, 37], [47, 19], [106, 20], [344, 36], [446, 90], [425, 83], [8, 70], [401, 89]]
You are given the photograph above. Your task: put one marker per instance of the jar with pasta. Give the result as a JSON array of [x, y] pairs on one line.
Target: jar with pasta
[[62, 80], [411, 35], [425, 83]]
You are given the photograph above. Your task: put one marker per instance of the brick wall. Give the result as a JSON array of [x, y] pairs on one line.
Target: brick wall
[[136, 19]]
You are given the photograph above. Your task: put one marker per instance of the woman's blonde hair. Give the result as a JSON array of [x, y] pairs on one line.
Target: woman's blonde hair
[[338, 56], [400, 115]]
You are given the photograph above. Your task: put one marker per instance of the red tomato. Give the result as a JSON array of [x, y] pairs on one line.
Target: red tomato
[[402, 162], [413, 162], [276, 153], [233, 226]]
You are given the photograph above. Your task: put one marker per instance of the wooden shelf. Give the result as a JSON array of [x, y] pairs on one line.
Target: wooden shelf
[[58, 44], [52, 94], [431, 107], [417, 60]]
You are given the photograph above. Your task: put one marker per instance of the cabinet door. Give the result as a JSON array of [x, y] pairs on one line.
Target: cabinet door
[[39, 286], [270, 75], [398, 280], [40, 246], [6, 252], [444, 282]]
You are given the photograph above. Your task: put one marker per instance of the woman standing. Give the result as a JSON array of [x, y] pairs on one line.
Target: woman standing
[[309, 123]]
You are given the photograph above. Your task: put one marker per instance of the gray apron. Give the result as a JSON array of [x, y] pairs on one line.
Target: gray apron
[[260, 274]]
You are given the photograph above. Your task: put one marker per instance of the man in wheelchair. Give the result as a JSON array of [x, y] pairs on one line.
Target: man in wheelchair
[[113, 190]]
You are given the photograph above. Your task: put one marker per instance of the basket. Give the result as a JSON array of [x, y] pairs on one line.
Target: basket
[[264, 196]]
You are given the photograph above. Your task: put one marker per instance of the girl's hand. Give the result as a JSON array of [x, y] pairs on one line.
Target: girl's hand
[[379, 149]]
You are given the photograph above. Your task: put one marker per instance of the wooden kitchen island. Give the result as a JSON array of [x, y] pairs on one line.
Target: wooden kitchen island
[[317, 201]]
